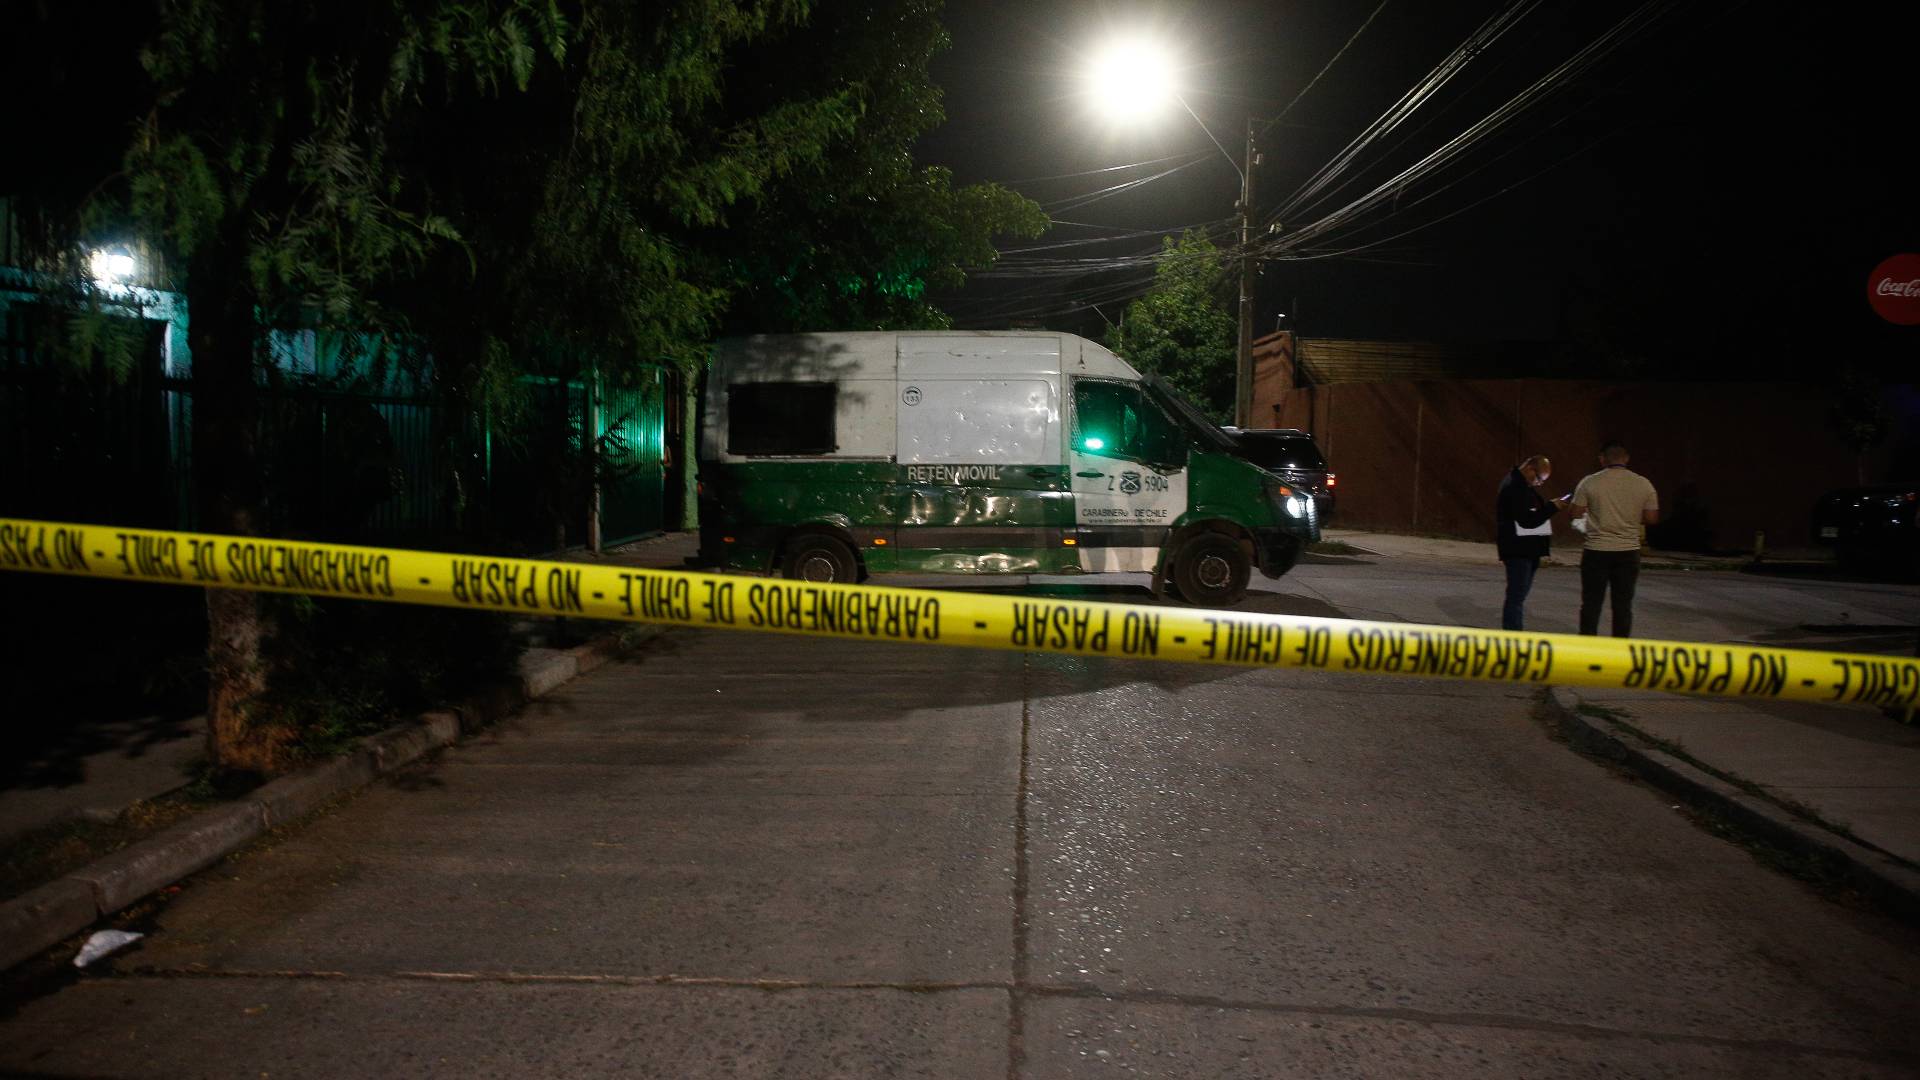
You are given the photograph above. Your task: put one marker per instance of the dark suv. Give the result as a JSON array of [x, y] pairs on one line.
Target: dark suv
[[1876, 526], [1290, 454]]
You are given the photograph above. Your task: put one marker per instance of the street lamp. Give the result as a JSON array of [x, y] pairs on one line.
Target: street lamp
[[1133, 78], [110, 267]]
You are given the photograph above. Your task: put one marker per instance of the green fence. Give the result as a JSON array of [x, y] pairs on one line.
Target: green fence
[[633, 428], [347, 462], [579, 437]]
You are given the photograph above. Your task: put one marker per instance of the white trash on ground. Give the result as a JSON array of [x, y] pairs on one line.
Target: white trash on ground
[[103, 942]]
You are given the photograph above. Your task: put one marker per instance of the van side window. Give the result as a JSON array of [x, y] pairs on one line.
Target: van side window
[[1112, 419], [780, 418]]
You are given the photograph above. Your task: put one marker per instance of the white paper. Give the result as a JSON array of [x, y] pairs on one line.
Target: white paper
[[103, 942]]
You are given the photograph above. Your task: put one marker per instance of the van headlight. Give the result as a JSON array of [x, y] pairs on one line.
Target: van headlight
[[1286, 500]]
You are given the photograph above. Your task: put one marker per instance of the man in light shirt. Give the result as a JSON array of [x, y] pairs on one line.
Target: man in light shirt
[[1616, 503]]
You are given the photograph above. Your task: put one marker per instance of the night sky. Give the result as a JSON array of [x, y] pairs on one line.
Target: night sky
[[1720, 185]]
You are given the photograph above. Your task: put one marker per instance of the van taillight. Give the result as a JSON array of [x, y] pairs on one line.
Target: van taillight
[[1331, 481]]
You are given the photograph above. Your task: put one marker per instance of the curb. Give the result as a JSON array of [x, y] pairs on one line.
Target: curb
[[1886, 881], [41, 919]]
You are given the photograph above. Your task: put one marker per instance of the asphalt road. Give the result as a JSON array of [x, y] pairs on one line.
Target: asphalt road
[[758, 856]]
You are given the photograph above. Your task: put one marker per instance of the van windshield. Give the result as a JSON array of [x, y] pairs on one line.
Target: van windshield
[[1202, 430]]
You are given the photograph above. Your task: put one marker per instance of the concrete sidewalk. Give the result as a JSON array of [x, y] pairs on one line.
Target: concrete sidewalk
[[106, 784], [127, 762], [1835, 784], [1566, 550], [1836, 789]]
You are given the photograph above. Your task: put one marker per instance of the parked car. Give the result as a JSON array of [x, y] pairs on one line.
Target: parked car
[[1874, 525], [1290, 454]]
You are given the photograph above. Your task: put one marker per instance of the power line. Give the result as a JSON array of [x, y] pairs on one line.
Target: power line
[[1482, 167], [1633, 24], [1108, 169], [1075, 202], [1432, 118], [1271, 124], [1476, 42], [1529, 178], [1018, 267], [1093, 240]]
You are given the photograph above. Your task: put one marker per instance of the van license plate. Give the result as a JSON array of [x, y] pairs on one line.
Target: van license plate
[[1830, 532]]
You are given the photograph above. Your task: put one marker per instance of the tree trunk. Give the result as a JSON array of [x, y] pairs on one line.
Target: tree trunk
[[223, 331], [236, 679]]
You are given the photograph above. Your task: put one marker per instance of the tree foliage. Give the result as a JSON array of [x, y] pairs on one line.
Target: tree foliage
[[861, 237], [488, 189], [702, 167], [1182, 329]]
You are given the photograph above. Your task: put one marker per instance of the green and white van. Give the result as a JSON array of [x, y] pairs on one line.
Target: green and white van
[[831, 456]]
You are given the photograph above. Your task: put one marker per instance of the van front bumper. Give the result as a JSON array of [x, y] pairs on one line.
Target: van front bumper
[[1278, 550], [1278, 547]]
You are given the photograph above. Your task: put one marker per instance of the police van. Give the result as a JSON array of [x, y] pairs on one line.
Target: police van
[[830, 456]]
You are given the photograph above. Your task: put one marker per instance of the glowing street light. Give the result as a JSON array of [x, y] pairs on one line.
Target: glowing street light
[[1132, 79], [110, 267]]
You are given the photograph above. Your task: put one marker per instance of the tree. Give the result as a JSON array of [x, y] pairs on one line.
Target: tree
[[1859, 414], [490, 189], [244, 152], [859, 237], [671, 202], [1181, 329]]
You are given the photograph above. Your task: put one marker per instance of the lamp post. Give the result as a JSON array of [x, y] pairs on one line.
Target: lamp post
[[1243, 358], [1133, 77]]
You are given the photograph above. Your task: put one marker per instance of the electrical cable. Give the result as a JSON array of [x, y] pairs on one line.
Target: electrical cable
[[1091, 240], [1432, 118], [1633, 24], [1529, 178], [1328, 66], [1108, 169], [1476, 42], [1075, 202]]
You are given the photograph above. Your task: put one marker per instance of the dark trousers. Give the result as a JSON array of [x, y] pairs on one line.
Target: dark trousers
[[1519, 584], [1600, 570]]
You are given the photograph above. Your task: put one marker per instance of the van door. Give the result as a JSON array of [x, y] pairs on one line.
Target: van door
[[983, 485], [1129, 464]]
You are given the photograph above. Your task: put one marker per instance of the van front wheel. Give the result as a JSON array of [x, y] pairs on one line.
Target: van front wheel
[[1212, 570], [817, 557]]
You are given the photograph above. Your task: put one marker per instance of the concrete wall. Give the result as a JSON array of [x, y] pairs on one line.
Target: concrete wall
[[1728, 460]]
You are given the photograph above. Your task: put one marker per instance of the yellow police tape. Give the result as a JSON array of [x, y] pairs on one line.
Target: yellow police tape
[[867, 612]]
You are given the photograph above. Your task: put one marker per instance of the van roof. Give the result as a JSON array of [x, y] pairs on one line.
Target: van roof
[[874, 354]]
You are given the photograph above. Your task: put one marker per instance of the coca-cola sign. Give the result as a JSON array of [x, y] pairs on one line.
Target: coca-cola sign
[[1894, 289]]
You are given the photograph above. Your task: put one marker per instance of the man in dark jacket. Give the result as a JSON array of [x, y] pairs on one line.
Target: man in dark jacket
[[1521, 516]]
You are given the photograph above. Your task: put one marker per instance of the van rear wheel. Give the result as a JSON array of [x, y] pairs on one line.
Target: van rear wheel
[[818, 557], [1212, 570]]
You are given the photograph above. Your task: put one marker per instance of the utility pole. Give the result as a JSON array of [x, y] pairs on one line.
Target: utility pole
[[1243, 362], [1243, 366]]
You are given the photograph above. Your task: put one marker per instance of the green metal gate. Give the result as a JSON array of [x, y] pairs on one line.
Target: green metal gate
[[632, 422]]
